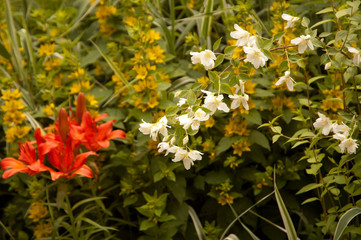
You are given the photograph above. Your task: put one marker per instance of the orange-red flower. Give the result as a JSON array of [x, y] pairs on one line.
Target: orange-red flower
[[94, 136], [27, 163]]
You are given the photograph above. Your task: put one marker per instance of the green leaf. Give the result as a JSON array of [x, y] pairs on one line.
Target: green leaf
[[146, 224], [267, 44], [172, 110], [314, 169], [78, 204], [310, 200], [322, 22], [343, 12], [314, 79], [219, 60], [213, 76], [260, 139], [344, 221], [309, 187], [216, 44], [275, 138], [225, 88], [191, 98], [326, 10], [287, 221], [224, 144], [4, 52], [305, 22], [299, 143], [207, 22]]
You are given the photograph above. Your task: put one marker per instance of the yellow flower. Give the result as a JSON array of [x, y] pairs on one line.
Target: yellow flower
[[279, 102], [16, 132], [138, 58], [16, 117], [204, 80], [58, 80], [151, 36], [49, 110], [52, 63], [12, 106], [241, 146], [155, 53], [209, 123], [91, 100], [107, 30], [140, 86], [77, 74], [236, 126], [141, 71], [37, 211], [130, 21], [151, 84], [8, 95], [103, 12], [47, 49], [153, 102], [75, 88], [43, 230], [249, 87], [225, 199]]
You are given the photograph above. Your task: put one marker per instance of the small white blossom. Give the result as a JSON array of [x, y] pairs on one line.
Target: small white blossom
[[188, 158], [181, 101], [286, 79], [213, 103], [327, 66], [252, 42], [356, 55], [349, 145], [238, 99], [206, 58], [231, 237], [291, 20], [341, 128], [323, 123], [241, 35], [302, 42], [163, 146], [255, 56], [154, 128], [185, 120], [185, 140]]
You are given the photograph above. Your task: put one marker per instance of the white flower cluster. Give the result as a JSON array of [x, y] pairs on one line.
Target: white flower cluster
[[341, 133], [154, 128], [254, 54], [206, 58]]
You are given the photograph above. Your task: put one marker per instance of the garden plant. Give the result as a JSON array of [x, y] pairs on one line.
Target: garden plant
[[187, 119]]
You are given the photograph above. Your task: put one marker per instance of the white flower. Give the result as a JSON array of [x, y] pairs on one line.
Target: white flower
[[231, 237], [238, 99], [206, 58], [196, 57], [201, 115], [213, 103], [240, 86], [241, 35], [154, 128], [185, 120], [302, 42], [185, 140], [327, 66], [356, 55], [340, 128], [291, 20], [181, 101], [349, 145], [187, 157], [163, 146], [286, 79], [255, 56], [252, 42], [323, 123]]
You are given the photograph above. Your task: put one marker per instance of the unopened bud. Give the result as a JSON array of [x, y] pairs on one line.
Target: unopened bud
[[185, 140], [327, 65], [80, 107], [63, 124]]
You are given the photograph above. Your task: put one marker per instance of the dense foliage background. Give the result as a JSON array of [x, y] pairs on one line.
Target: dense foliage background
[[132, 61]]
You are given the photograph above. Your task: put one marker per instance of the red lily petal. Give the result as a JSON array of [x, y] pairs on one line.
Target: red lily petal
[[55, 175], [80, 159], [100, 117], [14, 166], [117, 134], [37, 167], [27, 153], [104, 130], [84, 171]]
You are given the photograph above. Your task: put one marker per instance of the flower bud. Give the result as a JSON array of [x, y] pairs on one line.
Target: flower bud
[[80, 107], [327, 65], [63, 124]]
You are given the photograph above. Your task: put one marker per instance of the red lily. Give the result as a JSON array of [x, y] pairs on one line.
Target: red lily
[[93, 136], [27, 162]]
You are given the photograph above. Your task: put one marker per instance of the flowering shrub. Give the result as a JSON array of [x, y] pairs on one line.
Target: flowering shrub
[[242, 119]]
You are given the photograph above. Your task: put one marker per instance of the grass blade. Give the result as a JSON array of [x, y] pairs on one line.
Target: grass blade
[[207, 24], [112, 65], [244, 212], [196, 222], [287, 221], [344, 221], [7, 231]]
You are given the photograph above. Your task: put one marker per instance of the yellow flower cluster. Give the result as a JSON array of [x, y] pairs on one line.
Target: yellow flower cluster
[[47, 49], [241, 146], [236, 126], [43, 230], [13, 115], [38, 211], [333, 100], [49, 110], [281, 102], [277, 9], [103, 13], [224, 197]]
